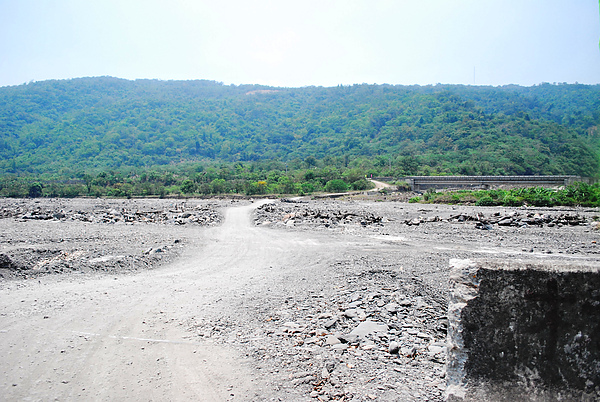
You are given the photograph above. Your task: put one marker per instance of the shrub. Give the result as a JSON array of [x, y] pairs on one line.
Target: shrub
[[403, 186], [307, 187], [582, 194], [95, 191], [414, 199], [485, 201], [336, 186], [361, 184], [511, 201], [72, 190], [496, 194], [542, 200], [35, 190], [429, 195], [188, 187]]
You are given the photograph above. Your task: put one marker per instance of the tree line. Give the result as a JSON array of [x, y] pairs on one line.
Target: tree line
[[258, 178]]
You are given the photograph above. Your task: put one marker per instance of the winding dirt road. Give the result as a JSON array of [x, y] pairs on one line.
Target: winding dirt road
[[124, 338], [380, 185]]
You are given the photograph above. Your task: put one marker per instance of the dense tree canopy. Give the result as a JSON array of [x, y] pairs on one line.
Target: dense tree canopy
[[91, 125]]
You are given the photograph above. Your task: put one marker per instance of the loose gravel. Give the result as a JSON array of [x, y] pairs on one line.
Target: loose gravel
[[365, 323]]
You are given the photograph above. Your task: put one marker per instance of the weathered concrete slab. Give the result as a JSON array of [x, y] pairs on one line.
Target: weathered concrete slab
[[523, 331], [426, 182]]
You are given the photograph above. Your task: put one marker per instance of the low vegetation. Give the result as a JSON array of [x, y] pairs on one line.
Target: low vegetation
[[244, 179], [578, 194]]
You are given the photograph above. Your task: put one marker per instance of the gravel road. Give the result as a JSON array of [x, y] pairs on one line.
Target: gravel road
[[271, 300]]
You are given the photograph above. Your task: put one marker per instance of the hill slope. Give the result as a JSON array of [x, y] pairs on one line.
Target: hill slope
[[94, 124]]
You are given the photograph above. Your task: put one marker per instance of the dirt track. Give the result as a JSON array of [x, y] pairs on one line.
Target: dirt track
[[243, 312], [117, 338]]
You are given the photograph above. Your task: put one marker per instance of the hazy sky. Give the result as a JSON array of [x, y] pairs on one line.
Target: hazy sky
[[303, 42]]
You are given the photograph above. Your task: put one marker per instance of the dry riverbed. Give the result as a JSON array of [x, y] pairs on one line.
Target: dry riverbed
[[290, 300]]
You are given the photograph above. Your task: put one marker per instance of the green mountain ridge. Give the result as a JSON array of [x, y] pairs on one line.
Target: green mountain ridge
[[80, 125]]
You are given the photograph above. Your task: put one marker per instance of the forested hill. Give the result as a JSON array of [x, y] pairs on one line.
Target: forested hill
[[94, 124]]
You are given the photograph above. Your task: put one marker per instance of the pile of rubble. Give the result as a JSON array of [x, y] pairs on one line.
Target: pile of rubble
[[29, 262], [179, 215], [365, 339], [512, 219], [295, 215]]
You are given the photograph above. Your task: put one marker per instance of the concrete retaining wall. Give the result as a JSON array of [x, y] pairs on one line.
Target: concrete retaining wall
[[426, 182], [523, 331]]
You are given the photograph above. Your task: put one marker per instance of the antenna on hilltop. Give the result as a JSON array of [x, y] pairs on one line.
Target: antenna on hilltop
[[474, 75]]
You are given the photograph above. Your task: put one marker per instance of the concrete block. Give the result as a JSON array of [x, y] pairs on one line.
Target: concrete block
[[523, 331]]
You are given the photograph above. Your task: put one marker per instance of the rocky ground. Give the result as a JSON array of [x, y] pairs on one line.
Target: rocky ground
[[48, 236], [353, 307], [550, 230], [375, 327]]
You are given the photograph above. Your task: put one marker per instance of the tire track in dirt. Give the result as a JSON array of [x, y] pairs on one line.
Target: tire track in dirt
[[117, 338]]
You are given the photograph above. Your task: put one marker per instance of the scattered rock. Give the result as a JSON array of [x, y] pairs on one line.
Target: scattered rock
[[368, 327], [512, 219], [180, 215], [292, 214], [392, 308], [332, 340], [6, 262]]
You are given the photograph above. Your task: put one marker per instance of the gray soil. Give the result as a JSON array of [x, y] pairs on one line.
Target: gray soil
[[238, 300]]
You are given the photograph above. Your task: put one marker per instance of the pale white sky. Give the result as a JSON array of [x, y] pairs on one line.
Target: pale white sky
[[300, 43]]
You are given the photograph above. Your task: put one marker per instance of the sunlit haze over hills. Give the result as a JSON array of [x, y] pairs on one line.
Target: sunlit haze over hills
[[284, 43]]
